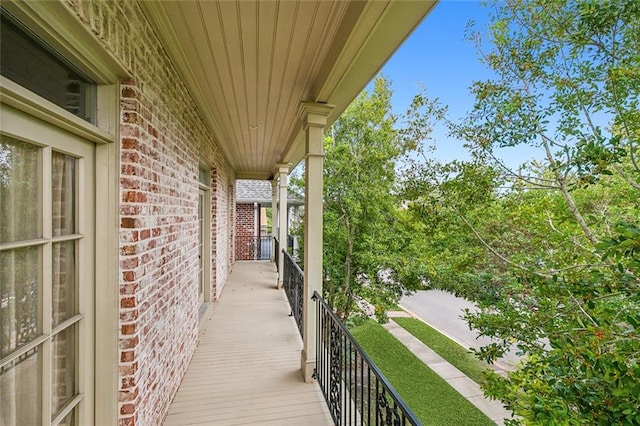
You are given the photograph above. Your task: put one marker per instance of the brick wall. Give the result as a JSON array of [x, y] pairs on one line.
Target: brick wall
[[222, 232], [163, 140], [231, 218], [245, 226]]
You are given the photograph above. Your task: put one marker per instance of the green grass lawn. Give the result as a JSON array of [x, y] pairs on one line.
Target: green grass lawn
[[455, 354], [431, 399]]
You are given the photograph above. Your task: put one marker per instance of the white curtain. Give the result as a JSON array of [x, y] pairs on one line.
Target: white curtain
[[21, 279], [20, 188], [63, 196]]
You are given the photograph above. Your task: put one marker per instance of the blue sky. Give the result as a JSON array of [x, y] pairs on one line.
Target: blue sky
[[438, 56]]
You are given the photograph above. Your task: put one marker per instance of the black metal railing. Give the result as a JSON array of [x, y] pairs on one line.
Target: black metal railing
[[253, 247], [293, 282], [355, 390], [290, 247]]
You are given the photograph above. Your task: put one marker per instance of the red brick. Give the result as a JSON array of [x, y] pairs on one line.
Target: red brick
[[127, 222], [129, 143], [128, 329], [127, 356], [128, 92], [128, 276], [128, 302], [127, 382], [127, 421]]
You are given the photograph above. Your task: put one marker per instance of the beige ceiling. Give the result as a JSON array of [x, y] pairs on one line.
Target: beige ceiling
[[251, 63]]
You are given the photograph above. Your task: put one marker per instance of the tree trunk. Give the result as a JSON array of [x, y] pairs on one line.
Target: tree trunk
[[562, 182], [348, 267]]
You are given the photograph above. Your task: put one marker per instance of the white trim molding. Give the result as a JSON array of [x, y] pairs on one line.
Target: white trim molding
[[28, 102]]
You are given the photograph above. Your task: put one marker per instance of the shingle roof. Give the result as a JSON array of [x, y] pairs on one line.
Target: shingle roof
[[259, 191]]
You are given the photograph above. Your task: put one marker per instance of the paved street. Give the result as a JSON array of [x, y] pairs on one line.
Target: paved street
[[443, 311]]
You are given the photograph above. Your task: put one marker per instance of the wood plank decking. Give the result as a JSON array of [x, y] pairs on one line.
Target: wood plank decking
[[246, 369]]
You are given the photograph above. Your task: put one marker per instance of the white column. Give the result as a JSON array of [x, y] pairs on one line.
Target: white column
[[314, 117], [256, 221], [274, 218], [283, 170]]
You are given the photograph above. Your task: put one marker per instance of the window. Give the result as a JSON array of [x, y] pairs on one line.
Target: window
[[32, 64], [41, 283]]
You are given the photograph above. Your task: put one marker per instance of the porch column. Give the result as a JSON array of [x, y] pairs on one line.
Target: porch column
[[274, 216], [283, 170], [314, 117]]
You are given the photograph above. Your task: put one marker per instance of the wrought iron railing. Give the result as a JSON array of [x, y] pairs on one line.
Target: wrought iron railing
[[355, 390], [293, 282], [253, 247], [290, 248]]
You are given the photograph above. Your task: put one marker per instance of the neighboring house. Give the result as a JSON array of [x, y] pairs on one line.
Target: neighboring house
[[254, 228], [124, 126]]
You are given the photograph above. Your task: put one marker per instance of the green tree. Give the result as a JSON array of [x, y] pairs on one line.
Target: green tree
[[558, 238], [363, 227]]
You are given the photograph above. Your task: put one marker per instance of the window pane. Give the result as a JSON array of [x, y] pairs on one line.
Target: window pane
[[19, 298], [21, 390], [63, 193], [69, 419], [19, 190], [63, 294], [203, 177], [63, 351], [35, 66]]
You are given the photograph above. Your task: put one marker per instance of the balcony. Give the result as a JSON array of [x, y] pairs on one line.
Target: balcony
[[246, 369]]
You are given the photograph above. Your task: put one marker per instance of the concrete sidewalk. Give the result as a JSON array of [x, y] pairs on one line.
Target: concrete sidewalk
[[458, 380], [443, 311]]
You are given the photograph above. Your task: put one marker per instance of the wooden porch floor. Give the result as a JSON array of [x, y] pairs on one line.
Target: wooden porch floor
[[246, 369]]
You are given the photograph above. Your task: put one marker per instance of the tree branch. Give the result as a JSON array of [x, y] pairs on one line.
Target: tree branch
[[624, 176], [492, 250], [579, 305], [566, 195]]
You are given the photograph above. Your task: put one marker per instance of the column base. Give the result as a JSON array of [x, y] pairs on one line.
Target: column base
[[307, 367]]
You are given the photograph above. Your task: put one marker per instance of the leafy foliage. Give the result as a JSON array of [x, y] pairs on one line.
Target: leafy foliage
[[550, 251], [364, 231]]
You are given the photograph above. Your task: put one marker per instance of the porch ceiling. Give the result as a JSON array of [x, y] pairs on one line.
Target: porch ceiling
[[250, 63]]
